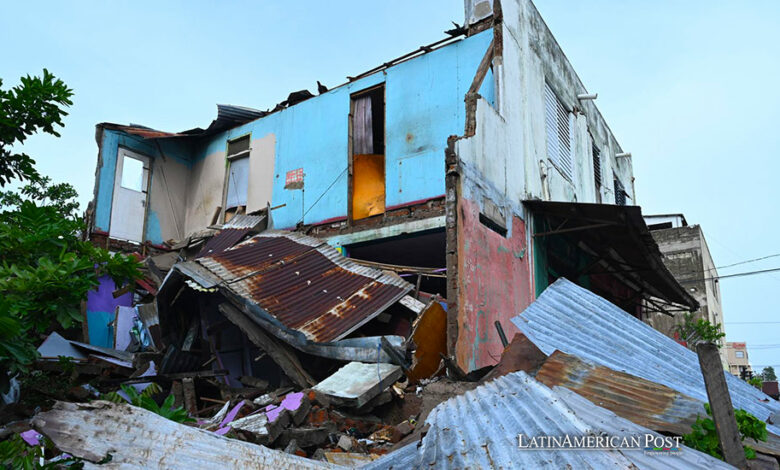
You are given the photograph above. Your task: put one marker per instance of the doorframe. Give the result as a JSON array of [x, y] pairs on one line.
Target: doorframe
[[146, 191]]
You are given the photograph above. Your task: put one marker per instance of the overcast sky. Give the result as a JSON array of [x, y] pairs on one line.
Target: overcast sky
[[690, 88]]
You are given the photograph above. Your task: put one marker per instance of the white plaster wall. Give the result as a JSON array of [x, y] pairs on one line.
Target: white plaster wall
[[531, 55], [261, 172], [168, 195], [205, 191]]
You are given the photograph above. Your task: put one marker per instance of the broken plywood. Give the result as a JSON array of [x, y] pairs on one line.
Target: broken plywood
[[357, 383], [137, 438], [429, 335]]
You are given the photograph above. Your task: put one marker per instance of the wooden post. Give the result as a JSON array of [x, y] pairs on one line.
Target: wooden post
[[720, 404], [190, 399]]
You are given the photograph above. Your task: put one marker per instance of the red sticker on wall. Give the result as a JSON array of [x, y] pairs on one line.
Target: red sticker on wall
[[294, 179]]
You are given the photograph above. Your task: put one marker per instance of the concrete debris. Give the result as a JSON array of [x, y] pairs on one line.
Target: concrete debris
[[356, 383]]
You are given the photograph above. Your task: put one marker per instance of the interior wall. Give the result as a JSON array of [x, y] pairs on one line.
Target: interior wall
[[170, 168]]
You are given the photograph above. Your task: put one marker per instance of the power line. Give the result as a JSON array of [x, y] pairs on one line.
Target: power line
[[748, 261], [752, 322], [747, 273]]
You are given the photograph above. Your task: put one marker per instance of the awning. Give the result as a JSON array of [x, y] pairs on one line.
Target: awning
[[618, 235]]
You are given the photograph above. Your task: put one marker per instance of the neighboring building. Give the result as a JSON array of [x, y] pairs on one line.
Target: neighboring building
[[688, 257], [737, 358], [475, 154]]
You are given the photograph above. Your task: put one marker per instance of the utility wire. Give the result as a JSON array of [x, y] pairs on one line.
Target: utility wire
[[748, 273], [323, 194]]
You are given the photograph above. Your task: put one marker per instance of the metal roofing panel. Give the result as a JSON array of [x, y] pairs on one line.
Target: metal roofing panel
[[226, 238], [480, 429], [305, 284], [576, 321], [646, 403]]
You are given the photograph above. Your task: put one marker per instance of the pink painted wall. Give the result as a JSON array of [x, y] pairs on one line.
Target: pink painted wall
[[494, 283]]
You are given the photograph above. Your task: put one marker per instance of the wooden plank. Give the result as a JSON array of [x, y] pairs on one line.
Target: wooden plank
[[190, 399], [280, 353], [720, 404], [137, 438]]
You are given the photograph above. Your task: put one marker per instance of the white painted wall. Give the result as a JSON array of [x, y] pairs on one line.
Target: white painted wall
[[509, 149]]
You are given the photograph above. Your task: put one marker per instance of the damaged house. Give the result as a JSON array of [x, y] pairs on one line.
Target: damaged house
[[402, 216]]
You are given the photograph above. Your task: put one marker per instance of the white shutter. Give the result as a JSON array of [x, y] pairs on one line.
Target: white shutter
[[558, 125]]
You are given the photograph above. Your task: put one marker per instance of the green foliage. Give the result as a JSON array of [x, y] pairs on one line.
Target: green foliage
[[769, 374], [698, 331], [16, 454], [704, 437], [35, 105], [144, 400], [46, 269], [756, 382]]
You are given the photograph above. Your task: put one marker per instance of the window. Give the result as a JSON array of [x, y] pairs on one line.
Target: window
[[620, 191], [132, 174], [740, 354], [558, 124], [238, 176], [597, 171], [368, 153]]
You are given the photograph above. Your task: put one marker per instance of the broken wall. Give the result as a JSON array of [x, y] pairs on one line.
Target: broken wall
[[501, 161], [170, 169], [423, 106]]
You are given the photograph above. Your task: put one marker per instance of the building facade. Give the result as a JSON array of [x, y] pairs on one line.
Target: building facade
[[737, 359], [688, 257], [479, 158]]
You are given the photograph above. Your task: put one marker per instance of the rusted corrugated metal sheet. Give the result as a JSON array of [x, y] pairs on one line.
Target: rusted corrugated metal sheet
[[569, 318], [648, 404], [640, 401], [480, 429], [223, 240], [305, 284]]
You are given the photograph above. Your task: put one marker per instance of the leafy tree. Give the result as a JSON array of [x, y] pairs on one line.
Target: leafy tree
[[46, 269], [36, 104], [698, 331], [756, 381], [769, 374], [704, 436], [144, 400]]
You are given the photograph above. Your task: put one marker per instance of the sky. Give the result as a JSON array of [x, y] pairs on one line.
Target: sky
[[689, 88]]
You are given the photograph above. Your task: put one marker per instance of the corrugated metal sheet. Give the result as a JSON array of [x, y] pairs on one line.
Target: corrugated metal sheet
[[226, 238], [648, 404], [137, 438], [576, 321], [244, 221], [480, 429], [305, 284]]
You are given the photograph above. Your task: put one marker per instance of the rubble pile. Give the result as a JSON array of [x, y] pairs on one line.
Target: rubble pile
[[271, 347]]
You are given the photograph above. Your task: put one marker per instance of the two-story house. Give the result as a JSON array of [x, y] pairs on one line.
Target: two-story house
[[481, 157]]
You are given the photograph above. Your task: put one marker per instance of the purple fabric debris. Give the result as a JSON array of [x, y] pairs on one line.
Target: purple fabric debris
[[222, 431], [31, 437]]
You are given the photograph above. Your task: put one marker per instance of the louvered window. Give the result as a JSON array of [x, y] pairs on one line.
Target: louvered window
[[558, 123], [597, 167], [620, 191], [597, 172]]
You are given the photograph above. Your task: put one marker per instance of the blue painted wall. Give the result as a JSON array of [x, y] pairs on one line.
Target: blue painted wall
[[424, 105], [109, 147]]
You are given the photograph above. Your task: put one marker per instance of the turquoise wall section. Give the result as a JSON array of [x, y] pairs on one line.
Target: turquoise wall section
[[424, 105], [110, 143]]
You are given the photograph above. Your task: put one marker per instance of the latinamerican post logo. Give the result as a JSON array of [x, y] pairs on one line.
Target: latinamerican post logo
[[651, 444]]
